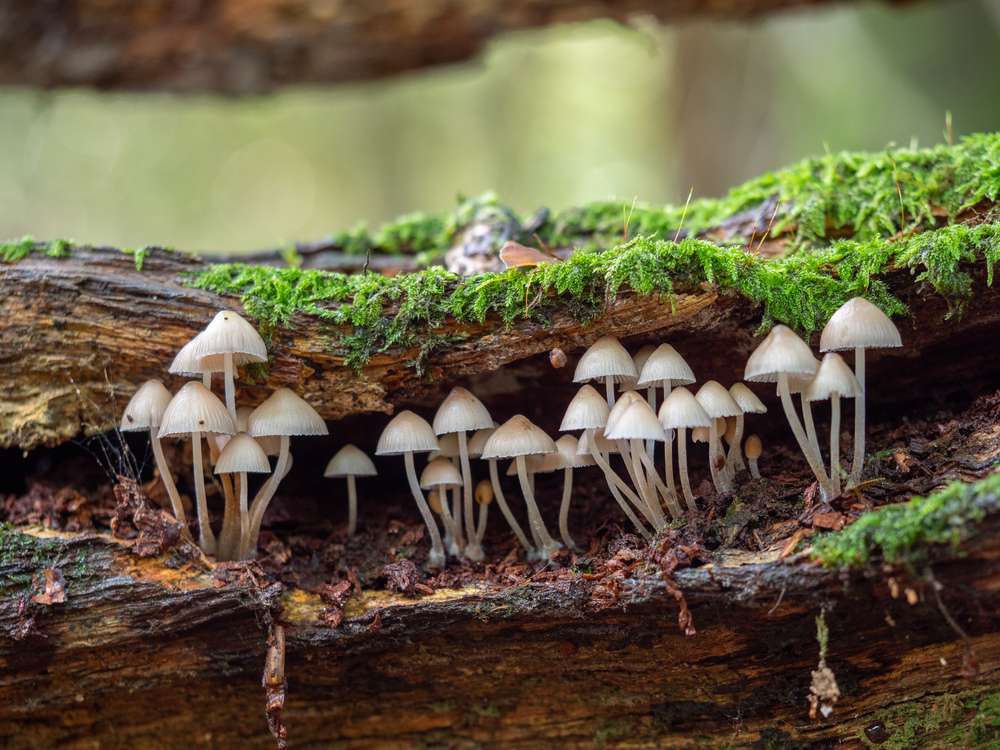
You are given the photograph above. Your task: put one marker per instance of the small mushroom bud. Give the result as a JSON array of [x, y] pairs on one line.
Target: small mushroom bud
[[752, 448], [434, 500], [484, 492]]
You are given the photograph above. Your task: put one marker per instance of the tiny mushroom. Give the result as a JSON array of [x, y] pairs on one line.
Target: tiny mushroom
[[350, 461], [241, 454], [753, 449], [749, 404], [566, 459], [231, 336], [484, 496], [606, 360], [717, 402], [680, 411], [834, 380], [187, 363], [440, 475], [476, 444]]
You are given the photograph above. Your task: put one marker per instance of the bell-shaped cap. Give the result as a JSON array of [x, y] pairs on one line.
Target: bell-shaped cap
[[350, 461], [478, 440], [833, 376], [587, 410], [747, 399], [195, 409], [681, 409], [859, 323], [440, 472], [752, 447], [284, 413], [145, 410], [716, 401], [607, 357], [242, 453], [532, 465], [188, 363], [406, 432], [640, 358], [781, 352], [666, 364], [637, 422], [460, 412], [700, 434], [625, 400], [565, 456], [604, 445], [518, 437], [270, 443], [448, 446], [228, 333]]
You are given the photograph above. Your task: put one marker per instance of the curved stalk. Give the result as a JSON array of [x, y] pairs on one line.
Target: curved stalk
[[549, 545], [815, 462], [231, 536], [456, 508], [244, 511], [564, 510], [835, 442], [450, 541], [436, 557], [230, 386], [668, 497], [753, 468], [807, 421], [481, 525], [206, 539], [473, 550], [640, 462], [713, 452], [858, 466], [168, 481], [264, 497], [735, 455], [505, 509], [682, 465], [613, 482], [651, 400]]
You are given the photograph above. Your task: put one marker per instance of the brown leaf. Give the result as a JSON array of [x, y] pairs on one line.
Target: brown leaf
[[834, 521], [517, 256]]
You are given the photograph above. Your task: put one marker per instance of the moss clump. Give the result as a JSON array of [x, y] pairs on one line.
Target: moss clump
[[15, 250], [903, 533], [970, 719]]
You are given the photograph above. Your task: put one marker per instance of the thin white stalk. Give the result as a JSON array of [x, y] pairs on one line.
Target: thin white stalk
[[549, 545], [230, 386], [244, 512], [813, 458], [753, 468], [651, 400], [231, 536], [609, 383], [264, 497], [835, 442], [682, 465], [206, 380], [456, 508], [640, 462], [735, 457], [168, 481], [481, 525], [436, 558], [858, 466], [450, 542], [613, 480], [352, 506], [206, 539], [671, 500], [640, 502], [473, 550], [505, 509], [713, 452], [668, 450], [807, 421], [564, 510]]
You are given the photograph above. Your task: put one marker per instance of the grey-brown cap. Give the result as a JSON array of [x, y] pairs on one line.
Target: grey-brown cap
[[587, 410], [440, 472], [747, 399], [350, 461], [518, 437], [228, 333], [284, 413], [681, 409], [666, 364], [195, 409], [859, 323], [716, 401], [145, 410], [242, 453], [781, 352], [461, 411], [606, 357], [406, 432], [833, 376]]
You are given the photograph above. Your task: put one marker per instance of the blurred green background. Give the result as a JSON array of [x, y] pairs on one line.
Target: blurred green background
[[555, 117]]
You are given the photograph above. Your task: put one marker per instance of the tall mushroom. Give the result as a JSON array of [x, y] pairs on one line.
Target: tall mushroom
[[408, 434], [679, 411], [476, 444], [859, 325], [834, 380], [283, 414], [440, 475], [749, 404], [717, 402], [193, 411], [781, 355], [566, 459], [350, 461], [241, 454], [459, 412], [606, 360], [518, 438], [231, 336]]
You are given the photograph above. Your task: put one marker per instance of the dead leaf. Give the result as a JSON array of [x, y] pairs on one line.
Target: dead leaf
[[517, 256]]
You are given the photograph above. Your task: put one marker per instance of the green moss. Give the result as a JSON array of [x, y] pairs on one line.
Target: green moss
[[138, 254], [15, 250], [903, 533], [969, 719]]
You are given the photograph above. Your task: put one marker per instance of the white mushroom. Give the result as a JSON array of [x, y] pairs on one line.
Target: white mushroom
[[350, 461], [834, 380]]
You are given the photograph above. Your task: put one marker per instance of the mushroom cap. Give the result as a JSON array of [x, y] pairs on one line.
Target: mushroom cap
[[700, 434], [603, 444], [752, 447], [833, 376], [146, 408], [284, 413], [478, 440], [681, 409], [439, 472], [625, 400], [565, 456], [518, 437], [448, 446], [242, 453], [460, 412], [637, 422], [188, 363], [195, 409], [588, 409], [859, 324], [606, 357], [716, 401], [532, 465], [406, 432], [350, 461], [666, 364], [270, 443], [640, 358], [781, 352], [795, 385], [730, 433], [747, 399], [228, 333], [434, 501], [484, 492]]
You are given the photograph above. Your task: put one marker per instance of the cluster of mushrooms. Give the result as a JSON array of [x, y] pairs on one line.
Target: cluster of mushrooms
[[629, 425]]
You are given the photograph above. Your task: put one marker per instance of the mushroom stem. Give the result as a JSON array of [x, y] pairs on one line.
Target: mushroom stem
[[437, 557], [835, 442], [264, 497], [721, 485], [609, 382], [640, 462], [735, 455], [682, 465], [473, 550], [352, 506], [651, 400], [231, 536], [481, 525], [613, 480], [668, 450], [505, 509], [206, 539], [564, 510], [456, 508], [549, 545], [859, 418], [230, 387], [449, 541], [807, 420], [244, 511], [640, 503], [668, 496], [815, 462], [753, 468], [206, 380], [168, 481]]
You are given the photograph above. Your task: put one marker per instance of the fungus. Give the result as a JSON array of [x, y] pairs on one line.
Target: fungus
[[518, 438], [589, 412], [780, 355], [566, 459], [717, 403], [449, 449], [241, 454], [460, 412], [283, 414], [440, 475], [145, 412], [834, 380], [188, 364], [624, 401], [351, 462], [231, 336], [484, 496], [476, 443], [679, 411], [749, 404], [608, 361], [193, 411], [753, 448], [859, 325], [406, 434]]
